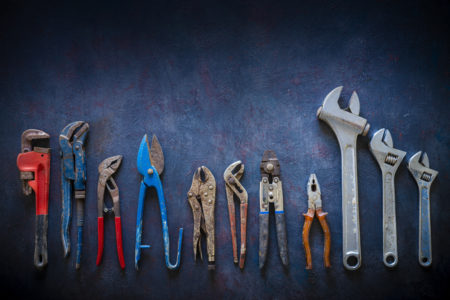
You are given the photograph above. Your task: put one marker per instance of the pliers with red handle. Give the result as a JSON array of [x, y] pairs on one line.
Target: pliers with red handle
[[106, 169]]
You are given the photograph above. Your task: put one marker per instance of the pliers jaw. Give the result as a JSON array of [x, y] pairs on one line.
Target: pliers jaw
[[201, 197], [314, 195]]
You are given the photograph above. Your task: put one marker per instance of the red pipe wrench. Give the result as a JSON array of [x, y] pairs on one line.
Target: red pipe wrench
[[34, 166], [106, 169]]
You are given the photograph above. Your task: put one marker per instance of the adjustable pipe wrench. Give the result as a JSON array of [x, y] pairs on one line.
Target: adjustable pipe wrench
[[34, 166], [347, 125]]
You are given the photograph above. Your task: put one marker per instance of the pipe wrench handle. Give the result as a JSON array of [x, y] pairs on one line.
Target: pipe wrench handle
[[425, 257], [40, 248]]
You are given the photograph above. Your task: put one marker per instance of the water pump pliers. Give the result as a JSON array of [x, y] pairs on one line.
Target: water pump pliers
[[202, 198], [234, 189], [106, 169], [315, 208], [271, 191], [73, 169], [150, 164]]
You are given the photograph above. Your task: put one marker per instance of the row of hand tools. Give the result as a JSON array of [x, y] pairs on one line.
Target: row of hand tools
[[34, 165]]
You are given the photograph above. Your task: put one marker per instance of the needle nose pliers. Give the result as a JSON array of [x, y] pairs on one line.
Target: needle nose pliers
[[202, 198], [315, 207], [106, 169]]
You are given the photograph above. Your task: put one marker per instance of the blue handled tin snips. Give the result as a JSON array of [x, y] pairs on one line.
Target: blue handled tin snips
[[73, 168], [150, 163]]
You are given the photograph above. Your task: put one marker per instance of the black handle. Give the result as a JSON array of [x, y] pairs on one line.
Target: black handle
[[263, 238], [281, 236], [40, 248]]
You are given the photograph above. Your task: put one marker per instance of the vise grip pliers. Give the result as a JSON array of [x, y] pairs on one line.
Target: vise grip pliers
[[271, 191], [106, 169], [150, 164], [73, 168], [315, 208], [202, 198], [34, 166], [233, 187]]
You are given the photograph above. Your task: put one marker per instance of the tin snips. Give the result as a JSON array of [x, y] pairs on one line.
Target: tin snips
[[150, 164], [202, 198], [271, 191]]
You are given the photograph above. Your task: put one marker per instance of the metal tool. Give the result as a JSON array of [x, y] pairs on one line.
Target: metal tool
[[202, 198], [271, 191], [150, 163], [315, 208], [389, 159], [424, 176], [233, 188], [73, 168], [106, 169], [34, 167], [347, 125]]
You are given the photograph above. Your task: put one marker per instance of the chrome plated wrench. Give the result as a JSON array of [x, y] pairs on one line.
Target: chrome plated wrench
[[424, 176], [347, 125], [389, 159]]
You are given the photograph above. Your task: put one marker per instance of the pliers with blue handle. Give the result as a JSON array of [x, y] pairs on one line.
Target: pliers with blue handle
[[73, 168]]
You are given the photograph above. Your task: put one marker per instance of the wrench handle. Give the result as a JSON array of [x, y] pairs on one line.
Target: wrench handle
[[40, 248], [424, 225], [243, 234], [79, 196], [390, 256], [350, 208]]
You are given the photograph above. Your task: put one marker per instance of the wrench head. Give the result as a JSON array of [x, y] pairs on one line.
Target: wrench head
[[335, 116], [419, 166], [29, 135], [382, 147]]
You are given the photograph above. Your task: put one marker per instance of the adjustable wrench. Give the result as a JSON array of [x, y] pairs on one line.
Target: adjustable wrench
[[424, 177], [347, 125], [389, 160]]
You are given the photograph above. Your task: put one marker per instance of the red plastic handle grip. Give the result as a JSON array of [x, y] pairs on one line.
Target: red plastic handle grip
[[39, 164], [119, 242], [100, 227]]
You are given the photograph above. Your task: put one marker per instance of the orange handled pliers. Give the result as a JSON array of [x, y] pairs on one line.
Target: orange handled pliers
[[106, 169], [315, 207]]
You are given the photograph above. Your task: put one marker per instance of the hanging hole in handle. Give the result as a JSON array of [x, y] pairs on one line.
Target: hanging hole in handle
[[352, 261], [390, 260], [424, 260]]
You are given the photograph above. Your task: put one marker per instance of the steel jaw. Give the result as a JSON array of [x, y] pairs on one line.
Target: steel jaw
[[389, 159], [424, 176], [347, 125]]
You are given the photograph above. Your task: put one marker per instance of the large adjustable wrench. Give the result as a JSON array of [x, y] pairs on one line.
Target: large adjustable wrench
[[347, 125], [389, 159], [424, 177]]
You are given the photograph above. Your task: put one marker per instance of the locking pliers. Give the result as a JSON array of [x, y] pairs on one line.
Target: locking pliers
[[315, 208], [232, 175], [73, 168], [202, 198], [106, 169]]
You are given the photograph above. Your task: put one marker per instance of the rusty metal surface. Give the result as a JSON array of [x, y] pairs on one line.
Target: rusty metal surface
[[218, 82]]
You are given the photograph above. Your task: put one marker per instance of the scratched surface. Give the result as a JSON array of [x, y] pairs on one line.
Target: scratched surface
[[218, 83]]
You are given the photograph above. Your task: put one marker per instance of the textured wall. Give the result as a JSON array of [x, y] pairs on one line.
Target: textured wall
[[218, 83]]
